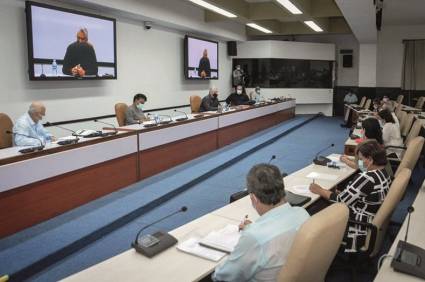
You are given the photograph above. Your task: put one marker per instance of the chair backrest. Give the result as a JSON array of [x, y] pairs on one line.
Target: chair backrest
[[315, 245], [407, 124], [411, 155], [420, 103], [362, 101], [6, 124], [400, 99], [402, 116], [383, 216], [195, 103], [398, 109], [120, 110], [414, 131], [367, 104]]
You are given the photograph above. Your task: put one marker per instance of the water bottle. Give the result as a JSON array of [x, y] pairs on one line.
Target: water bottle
[[54, 68]]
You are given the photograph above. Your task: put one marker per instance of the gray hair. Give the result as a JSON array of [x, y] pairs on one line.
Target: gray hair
[[266, 183], [213, 89], [35, 107]]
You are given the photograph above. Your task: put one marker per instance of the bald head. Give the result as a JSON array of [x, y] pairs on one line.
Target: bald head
[[213, 91], [37, 111]]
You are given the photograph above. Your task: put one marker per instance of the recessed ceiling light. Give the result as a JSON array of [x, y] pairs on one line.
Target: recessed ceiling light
[[290, 7], [213, 8], [313, 26], [260, 28]]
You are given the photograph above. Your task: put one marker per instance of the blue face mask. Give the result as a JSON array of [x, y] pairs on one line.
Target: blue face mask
[[360, 164], [140, 107]]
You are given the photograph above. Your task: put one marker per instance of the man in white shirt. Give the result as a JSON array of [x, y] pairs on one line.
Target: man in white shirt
[[264, 245], [350, 98], [28, 130]]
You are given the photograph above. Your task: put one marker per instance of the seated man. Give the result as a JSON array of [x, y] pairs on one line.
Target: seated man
[[350, 98], [264, 245], [30, 125], [238, 98], [210, 102], [134, 113]]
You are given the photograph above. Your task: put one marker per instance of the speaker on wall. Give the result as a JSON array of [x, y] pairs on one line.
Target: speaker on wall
[[347, 61], [231, 48]]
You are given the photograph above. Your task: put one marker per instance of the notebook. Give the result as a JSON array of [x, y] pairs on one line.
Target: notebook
[[223, 240], [191, 246]]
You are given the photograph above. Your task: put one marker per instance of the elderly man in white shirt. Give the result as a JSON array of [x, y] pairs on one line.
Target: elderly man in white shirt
[[264, 245], [28, 130]]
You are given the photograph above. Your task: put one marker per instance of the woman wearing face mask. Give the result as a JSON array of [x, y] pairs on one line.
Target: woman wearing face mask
[[364, 195], [238, 98], [390, 133], [134, 113], [371, 131]]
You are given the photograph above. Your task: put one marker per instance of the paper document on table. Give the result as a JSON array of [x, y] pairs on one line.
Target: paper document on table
[[323, 176], [191, 246], [223, 240]]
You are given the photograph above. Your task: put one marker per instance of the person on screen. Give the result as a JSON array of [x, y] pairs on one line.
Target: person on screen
[[204, 68], [264, 244], [29, 124], [238, 98], [210, 102], [80, 57], [134, 113]]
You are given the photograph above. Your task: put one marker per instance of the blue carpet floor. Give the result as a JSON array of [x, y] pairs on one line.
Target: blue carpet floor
[[292, 151]]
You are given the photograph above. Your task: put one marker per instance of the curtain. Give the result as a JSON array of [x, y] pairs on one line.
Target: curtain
[[413, 73]]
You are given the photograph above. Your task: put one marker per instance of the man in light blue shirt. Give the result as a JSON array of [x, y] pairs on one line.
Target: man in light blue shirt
[[30, 125], [264, 245]]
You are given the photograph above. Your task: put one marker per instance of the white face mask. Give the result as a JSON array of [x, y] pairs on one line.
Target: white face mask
[[239, 91]]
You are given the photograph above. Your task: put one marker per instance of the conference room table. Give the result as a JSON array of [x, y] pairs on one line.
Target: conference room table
[[415, 236], [175, 265], [37, 186]]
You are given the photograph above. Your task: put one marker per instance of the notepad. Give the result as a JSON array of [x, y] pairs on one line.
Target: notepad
[[224, 239], [191, 246], [323, 176]]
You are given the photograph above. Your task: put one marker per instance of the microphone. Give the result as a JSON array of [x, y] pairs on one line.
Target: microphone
[[107, 133], [67, 141], [181, 119], [409, 210], [166, 121], [151, 124], [321, 160], [151, 245], [31, 149], [272, 158]]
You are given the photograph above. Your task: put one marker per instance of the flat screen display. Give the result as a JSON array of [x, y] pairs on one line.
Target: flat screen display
[[65, 44], [201, 58]]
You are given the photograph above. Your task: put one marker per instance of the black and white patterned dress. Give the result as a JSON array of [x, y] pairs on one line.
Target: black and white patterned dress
[[363, 196]]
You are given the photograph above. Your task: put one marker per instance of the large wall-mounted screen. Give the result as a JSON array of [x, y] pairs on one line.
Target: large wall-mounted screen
[[66, 44], [201, 58]]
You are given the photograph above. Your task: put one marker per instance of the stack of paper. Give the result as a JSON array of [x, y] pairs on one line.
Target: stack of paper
[[191, 246]]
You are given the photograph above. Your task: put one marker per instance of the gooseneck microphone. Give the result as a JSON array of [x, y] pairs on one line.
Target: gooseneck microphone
[[181, 119], [66, 141], [271, 159], [61, 127], [31, 149], [110, 124], [409, 210], [151, 245], [321, 160]]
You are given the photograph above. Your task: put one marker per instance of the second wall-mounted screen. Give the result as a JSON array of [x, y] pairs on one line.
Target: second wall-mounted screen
[[286, 73], [201, 58]]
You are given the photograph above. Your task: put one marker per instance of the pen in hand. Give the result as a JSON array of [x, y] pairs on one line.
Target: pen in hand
[[244, 223]]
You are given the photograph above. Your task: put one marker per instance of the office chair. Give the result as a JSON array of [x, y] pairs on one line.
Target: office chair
[[195, 103], [367, 104], [6, 124], [406, 125], [362, 102], [315, 245], [420, 103], [120, 110], [400, 99], [414, 132]]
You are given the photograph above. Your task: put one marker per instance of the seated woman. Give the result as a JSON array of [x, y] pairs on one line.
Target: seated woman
[[371, 130], [390, 133], [238, 98], [364, 195]]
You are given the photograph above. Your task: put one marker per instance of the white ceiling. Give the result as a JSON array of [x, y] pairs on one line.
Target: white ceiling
[[404, 12]]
